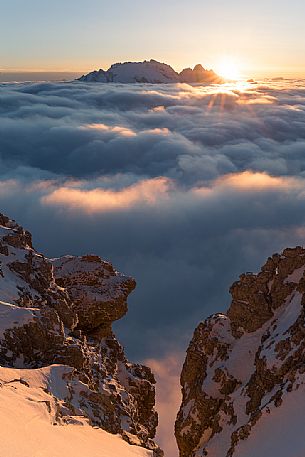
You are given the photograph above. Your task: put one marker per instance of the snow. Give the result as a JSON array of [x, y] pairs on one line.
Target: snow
[[279, 433], [32, 433], [241, 365], [151, 72], [12, 316], [10, 282], [44, 412], [143, 72], [296, 276], [243, 350], [187, 409], [69, 264], [93, 280], [132, 72], [286, 316]]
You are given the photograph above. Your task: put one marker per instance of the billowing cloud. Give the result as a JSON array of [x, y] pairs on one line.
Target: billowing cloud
[[182, 187], [251, 181], [190, 134], [100, 200], [168, 399], [202, 182]]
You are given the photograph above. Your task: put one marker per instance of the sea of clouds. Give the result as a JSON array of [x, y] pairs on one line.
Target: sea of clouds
[[182, 187]]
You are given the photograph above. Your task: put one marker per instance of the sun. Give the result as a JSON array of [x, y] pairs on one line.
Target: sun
[[229, 69]]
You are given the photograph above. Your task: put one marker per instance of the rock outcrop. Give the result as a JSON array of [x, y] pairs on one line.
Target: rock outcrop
[[57, 313], [199, 75], [243, 380], [151, 72]]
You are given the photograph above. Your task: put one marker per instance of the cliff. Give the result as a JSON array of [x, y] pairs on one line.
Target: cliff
[[243, 380], [55, 325]]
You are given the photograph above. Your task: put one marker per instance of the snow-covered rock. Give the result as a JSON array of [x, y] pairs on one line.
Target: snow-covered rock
[[151, 72], [243, 379], [31, 423], [60, 312]]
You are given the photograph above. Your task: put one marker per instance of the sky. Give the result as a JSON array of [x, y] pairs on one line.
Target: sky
[[265, 38]]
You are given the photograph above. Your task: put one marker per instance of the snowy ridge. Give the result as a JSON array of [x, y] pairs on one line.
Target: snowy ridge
[[244, 376], [151, 72]]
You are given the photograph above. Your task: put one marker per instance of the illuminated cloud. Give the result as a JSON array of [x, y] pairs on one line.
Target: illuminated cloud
[[168, 398], [123, 131], [99, 200], [91, 197], [257, 181]]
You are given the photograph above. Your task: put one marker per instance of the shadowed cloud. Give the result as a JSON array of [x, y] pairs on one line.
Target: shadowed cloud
[[159, 179], [182, 187]]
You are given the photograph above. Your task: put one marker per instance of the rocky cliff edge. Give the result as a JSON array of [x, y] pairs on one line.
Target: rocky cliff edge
[[57, 313], [243, 380]]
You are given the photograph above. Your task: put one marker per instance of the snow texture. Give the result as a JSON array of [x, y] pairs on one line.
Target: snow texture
[[28, 423]]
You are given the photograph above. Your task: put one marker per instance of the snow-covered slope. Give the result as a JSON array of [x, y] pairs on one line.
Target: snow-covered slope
[[30, 425], [60, 311], [244, 375], [152, 72]]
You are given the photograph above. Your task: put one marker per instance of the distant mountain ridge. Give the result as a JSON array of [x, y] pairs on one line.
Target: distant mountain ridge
[[151, 72]]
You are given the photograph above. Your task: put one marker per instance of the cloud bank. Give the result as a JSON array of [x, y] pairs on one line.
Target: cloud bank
[[182, 187]]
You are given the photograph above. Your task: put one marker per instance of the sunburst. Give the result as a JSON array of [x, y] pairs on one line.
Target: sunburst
[[229, 69]]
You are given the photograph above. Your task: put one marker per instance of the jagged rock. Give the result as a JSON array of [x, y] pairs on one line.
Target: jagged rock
[[244, 370], [198, 75], [60, 312], [98, 292], [151, 72]]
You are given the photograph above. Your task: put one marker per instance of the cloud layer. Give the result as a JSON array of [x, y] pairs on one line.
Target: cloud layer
[[183, 187]]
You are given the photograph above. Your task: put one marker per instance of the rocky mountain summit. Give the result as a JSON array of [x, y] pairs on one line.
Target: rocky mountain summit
[[243, 380], [55, 326], [151, 72]]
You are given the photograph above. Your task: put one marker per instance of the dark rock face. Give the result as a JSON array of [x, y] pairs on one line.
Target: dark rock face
[[198, 75], [60, 312], [241, 367]]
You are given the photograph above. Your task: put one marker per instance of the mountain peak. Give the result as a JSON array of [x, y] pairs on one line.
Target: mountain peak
[[152, 72]]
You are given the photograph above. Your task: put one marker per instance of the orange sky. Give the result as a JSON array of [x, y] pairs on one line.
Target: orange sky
[[67, 35]]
